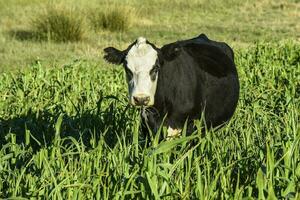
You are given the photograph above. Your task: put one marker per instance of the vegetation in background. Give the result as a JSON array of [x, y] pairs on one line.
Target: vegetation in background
[[67, 131], [59, 24], [70, 133], [240, 23], [114, 18]]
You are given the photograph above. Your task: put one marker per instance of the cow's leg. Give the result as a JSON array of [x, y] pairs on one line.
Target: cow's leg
[[175, 123], [150, 121]]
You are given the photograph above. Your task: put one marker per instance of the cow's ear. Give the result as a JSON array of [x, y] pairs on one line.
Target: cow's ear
[[113, 55], [170, 51]]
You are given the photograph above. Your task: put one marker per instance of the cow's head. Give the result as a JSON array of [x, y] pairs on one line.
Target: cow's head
[[141, 63]]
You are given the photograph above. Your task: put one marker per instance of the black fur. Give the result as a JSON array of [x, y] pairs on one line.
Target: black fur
[[115, 56], [195, 76]]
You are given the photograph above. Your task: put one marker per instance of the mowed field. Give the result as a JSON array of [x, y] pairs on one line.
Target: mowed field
[[68, 132]]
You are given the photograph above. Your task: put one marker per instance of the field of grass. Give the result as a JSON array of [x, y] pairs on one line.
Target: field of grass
[[238, 22], [67, 131]]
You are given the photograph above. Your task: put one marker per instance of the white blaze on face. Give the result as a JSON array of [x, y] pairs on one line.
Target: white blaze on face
[[140, 60]]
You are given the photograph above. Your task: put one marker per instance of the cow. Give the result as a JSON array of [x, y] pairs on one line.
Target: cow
[[179, 82]]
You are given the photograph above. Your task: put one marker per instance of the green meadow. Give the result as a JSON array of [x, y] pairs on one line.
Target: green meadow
[[68, 132]]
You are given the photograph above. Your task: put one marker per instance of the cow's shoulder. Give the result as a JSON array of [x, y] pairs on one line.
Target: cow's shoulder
[[213, 57], [224, 47], [171, 51]]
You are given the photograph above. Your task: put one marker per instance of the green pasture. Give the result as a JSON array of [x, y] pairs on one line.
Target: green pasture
[[238, 22], [68, 132]]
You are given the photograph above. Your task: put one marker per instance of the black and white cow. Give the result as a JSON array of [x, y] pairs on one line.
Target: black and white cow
[[181, 81]]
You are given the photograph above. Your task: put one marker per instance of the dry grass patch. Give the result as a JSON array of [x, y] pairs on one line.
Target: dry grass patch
[[59, 24], [113, 18]]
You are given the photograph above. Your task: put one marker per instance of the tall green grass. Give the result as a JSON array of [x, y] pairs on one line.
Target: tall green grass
[[69, 133]]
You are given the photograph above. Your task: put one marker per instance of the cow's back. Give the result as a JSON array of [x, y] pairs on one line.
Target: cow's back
[[203, 39]]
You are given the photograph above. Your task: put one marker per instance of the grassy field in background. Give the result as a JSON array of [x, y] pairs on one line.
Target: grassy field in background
[[67, 131], [238, 22]]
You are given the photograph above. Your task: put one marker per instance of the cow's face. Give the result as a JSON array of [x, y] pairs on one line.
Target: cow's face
[[141, 64]]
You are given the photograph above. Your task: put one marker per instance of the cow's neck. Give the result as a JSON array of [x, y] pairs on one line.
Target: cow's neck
[[162, 94]]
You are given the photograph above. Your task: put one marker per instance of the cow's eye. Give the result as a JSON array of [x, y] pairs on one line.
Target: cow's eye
[[129, 74], [153, 72]]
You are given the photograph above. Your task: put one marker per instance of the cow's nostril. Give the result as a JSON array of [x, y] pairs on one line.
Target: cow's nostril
[[146, 100], [136, 100]]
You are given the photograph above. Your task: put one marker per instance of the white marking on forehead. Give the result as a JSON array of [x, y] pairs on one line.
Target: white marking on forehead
[[141, 56], [141, 40]]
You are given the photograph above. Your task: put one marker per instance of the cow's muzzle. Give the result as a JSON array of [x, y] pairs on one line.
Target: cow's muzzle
[[141, 100]]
